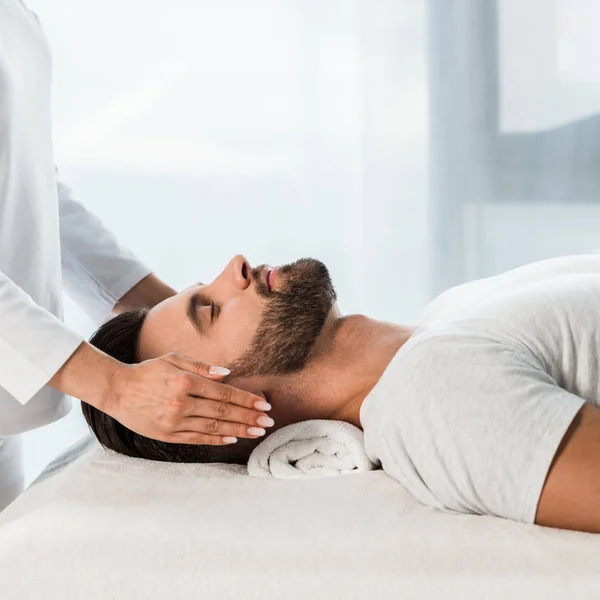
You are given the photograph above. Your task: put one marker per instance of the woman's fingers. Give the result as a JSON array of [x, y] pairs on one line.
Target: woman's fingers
[[197, 381], [197, 367], [215, 427], [161, 400], [223, 411], [199, 387], [192, 437]]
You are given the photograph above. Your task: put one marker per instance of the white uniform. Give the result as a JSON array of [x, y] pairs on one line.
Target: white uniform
[[470, 412], [39, 222]]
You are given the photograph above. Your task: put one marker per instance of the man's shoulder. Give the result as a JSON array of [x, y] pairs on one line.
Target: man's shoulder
[[517, 285], [456, 352], [449, 364]]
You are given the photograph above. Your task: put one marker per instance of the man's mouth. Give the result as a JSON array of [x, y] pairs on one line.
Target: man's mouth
[[270, 277]]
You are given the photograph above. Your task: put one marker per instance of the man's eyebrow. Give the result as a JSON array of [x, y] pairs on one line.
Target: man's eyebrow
[[192, 310]]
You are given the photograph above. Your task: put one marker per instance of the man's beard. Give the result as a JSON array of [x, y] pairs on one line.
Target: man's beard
[[292, 319]]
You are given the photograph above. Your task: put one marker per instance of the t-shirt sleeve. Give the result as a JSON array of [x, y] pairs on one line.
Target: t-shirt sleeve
[[480, 425]]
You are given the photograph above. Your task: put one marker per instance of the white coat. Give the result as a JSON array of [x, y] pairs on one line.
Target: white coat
[[42, 226]]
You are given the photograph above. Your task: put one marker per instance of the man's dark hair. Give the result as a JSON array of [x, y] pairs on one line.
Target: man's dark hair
[[119, 338]]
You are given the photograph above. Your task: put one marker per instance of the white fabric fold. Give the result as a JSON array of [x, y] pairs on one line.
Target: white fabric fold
[[316, 448]]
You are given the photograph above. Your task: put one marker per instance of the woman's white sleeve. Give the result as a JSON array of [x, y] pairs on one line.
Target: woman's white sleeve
[[34, 344], [97, 270]]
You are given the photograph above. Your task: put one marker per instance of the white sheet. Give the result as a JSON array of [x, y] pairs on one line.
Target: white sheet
[[109, 527]]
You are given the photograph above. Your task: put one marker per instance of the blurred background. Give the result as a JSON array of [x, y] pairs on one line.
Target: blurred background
[[409, 144]]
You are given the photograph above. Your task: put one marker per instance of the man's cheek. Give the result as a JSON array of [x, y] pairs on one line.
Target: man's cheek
[[236, 341]]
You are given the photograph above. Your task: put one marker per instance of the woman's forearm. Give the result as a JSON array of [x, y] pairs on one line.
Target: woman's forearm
[[149, 292]]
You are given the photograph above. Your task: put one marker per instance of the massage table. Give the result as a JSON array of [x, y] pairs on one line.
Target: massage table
[[100, 526]]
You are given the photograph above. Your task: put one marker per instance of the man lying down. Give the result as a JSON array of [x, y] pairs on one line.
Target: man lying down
[[488, 406]]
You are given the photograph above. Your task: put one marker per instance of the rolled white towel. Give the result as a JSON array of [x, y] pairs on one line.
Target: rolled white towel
[[317, 448]]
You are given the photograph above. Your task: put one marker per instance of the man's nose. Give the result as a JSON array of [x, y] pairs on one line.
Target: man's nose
[[240, 270]]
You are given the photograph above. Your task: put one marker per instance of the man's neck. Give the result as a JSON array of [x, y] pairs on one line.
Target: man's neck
[[350, 358]]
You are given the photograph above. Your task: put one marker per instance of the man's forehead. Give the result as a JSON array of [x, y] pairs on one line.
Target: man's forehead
[[193, 286], [165, 329]]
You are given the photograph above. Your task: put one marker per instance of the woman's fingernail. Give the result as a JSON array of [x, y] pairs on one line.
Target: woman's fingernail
[[265, 421], [230, 440], [256, 431], [262, 405], [218, 371]]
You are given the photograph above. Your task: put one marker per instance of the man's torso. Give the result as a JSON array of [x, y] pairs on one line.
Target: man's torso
[[484, 378]]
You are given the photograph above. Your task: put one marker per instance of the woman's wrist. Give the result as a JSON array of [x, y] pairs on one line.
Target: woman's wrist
[[91, 376]]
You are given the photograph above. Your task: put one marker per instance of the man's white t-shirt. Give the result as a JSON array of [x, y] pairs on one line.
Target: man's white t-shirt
[[470, 412]]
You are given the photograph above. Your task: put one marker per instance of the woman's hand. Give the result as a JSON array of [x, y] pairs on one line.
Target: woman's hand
[[178, 400], [171, 398]]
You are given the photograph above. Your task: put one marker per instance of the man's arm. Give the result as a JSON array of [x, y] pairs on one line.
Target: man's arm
[[571, 495]]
